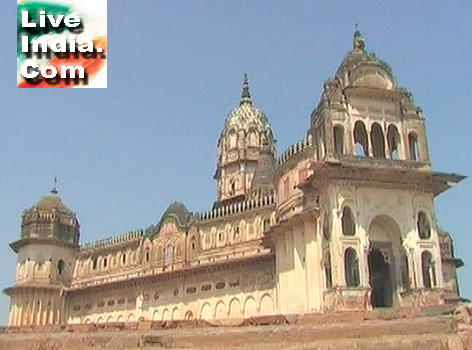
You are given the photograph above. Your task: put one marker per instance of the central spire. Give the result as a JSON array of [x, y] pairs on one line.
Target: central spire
[[54, 189], [358, 42], [245, 94]]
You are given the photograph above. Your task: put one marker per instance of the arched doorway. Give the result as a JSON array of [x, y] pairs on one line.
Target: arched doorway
[[380, 280], [385, 246]]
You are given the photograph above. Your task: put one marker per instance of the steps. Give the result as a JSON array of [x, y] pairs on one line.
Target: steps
[[438, 330]]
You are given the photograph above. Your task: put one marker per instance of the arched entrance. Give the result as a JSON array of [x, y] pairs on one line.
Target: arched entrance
[[385, 245], [380, 280]]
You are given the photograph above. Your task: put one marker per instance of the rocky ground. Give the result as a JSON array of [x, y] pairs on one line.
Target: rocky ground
[[434, 329]]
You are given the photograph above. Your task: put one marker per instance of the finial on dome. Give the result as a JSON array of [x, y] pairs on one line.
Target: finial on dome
[[358, 42], [54, 189], [245, 94]]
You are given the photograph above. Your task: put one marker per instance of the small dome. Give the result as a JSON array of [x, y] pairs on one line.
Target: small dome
[[179, 211], [51, 202], [378, 75], [51, 218], [246, 116]]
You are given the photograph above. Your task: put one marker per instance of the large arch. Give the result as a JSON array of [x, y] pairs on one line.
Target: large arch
[[205, 313], [175, 314], [165, 315], [235, 308], [384, 260], [220, 310], [377, 140], [155, 315], [266, 305], [250, 307], [361, 141]]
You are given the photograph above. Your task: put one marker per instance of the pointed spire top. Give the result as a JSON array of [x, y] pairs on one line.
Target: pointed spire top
[[54, 189], [245, 94], [358, 42]]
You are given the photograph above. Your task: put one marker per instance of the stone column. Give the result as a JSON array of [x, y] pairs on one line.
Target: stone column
[[11, 320], [387, 147], [20, 309], [51, 310], [17, 311], [11, 313], [33, 309]]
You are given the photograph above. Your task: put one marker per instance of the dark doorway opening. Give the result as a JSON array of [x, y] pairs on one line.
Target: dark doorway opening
[[380, 280]]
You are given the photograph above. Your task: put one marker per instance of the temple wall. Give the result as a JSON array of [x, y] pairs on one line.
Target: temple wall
[[233, 292]]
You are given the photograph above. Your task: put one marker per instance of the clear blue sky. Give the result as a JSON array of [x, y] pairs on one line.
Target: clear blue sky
[[174, 72]]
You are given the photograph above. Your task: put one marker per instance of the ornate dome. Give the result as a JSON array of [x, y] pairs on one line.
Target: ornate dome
[[51, 202], [178, 211], [361, 68], [246, 116], [50, 218], [246, 132]]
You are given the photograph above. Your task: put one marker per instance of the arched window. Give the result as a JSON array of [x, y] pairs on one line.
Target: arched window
[[94, 262], [105, 263], [393, 139], [253, 142], [232, 187], [351, 268], [326, 233], [60, 266], [338, 140], [429, 270], [148, 255], [232, 139], [265, 224], [423, 225], [327, 270], [360, 140], [237, 234], [414, 150], [348, 223], [169, 253], [405, 271], [193, 243], [266, 137], [123, 258], [377, 139]]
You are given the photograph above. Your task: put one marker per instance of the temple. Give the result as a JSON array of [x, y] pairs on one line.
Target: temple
[[342, 220]]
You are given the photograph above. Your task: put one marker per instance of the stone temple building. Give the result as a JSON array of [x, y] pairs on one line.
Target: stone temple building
[[342, 220]]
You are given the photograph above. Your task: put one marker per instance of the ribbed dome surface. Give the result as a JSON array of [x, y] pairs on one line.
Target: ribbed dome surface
[[358, 55], [51, 202], [50, 218], [246, 115], [179, 211]]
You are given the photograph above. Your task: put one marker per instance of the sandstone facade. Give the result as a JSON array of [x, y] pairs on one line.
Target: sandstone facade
[[343, 220]]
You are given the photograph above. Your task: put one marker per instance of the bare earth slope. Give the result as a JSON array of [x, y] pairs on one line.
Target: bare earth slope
[[441, 329]]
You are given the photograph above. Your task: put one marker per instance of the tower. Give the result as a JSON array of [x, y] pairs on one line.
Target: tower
[[363, 113], [47, 247], [246, 135], [368, 200]]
